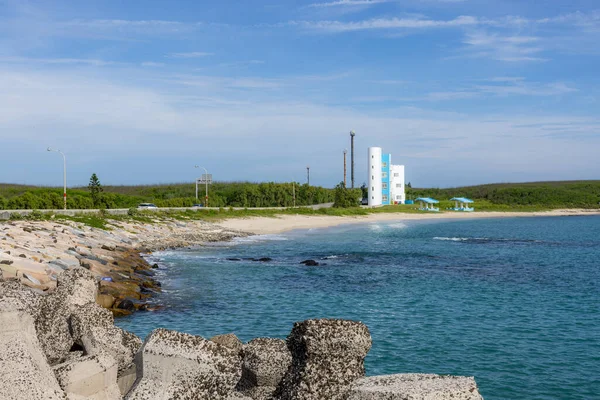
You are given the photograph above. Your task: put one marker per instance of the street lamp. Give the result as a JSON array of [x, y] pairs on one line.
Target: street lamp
[[308, 175], [64, 175], [352, 134], [206, 182]]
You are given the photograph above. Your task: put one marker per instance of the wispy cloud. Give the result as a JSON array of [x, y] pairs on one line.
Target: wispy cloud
[[241, 63], [391, 23], [503, 87], [192, 54], [511, 48], [339, 3], [84, 61]]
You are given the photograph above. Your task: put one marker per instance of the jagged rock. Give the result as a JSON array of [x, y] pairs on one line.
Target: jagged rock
[[93, 329], [415, 386], [89, 377], [229, 340], [6, 262], [265, 363], [25, 374], [181, 366], [327, 356], [108, 247], [310, 263], [75, 288]]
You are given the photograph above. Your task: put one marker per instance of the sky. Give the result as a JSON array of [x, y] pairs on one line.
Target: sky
[[459, 91]]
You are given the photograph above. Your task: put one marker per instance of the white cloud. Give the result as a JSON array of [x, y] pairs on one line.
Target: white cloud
[[391, 23], [350, 3], [192, 54], [85, 61], [512, 48]]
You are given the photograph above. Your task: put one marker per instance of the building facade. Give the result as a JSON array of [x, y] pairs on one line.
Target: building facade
[[386, 181]]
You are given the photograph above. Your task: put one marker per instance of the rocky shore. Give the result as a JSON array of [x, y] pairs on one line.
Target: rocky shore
[[36, 253], [63, 345]]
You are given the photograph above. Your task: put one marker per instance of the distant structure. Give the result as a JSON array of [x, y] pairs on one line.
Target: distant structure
[[352, 134], [386, 181], [345, 151]]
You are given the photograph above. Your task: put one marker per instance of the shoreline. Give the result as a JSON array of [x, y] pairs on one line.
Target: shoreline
[[286, 223], [37, 253]]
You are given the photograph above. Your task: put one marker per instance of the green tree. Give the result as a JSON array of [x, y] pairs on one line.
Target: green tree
[[95, 189], [344, 197], [365, 191]]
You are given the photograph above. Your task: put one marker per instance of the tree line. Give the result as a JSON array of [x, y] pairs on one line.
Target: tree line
[[222, 194]]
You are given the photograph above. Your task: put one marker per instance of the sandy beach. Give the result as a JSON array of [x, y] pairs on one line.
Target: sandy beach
[[284, 223]]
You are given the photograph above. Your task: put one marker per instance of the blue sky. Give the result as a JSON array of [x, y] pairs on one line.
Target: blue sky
[[460, 91]]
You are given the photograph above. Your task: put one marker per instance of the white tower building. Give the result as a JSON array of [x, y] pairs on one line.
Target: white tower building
[[374, 174]]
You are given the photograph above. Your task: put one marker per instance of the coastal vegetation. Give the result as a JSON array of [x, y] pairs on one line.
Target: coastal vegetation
[[533, 196], [548, 195], [221, 194]]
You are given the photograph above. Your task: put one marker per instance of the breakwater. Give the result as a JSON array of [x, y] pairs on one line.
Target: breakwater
[[64, 345]]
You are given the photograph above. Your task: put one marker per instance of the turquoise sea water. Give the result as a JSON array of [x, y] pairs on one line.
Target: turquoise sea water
[[514, 302]]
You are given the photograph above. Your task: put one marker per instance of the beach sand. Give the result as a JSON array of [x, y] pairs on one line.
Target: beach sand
[[284, 223]]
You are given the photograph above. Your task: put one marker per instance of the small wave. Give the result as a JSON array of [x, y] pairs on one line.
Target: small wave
[[453, 239], [329, 257], [258, 238], [398, 225], [490, 240]]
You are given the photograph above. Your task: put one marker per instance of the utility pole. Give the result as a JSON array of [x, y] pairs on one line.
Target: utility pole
[[206, 179], [345, 151], [352, 134], [294, 192], [308, 175]]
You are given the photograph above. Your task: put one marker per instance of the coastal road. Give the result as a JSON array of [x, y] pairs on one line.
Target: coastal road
[[5, 214]]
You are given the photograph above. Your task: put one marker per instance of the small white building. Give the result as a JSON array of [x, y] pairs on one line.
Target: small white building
[[386, 181], [398, 192]]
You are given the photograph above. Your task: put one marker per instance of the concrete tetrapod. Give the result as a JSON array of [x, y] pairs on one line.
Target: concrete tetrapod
[[415, 387], [177, 365]]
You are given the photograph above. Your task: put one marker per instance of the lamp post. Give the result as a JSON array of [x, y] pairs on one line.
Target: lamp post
[[308, 175], [64, 175], [206, 182], [352, 134]]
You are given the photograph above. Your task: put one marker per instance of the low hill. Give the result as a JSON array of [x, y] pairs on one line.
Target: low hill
[[556, 194]]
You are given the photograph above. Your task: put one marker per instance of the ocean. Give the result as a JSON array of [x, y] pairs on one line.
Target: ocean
[[514, 302]]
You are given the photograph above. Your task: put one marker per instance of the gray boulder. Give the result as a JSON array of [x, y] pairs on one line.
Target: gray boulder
[[25, 371], [415, 387], [180, 366], [265, 363], [327, 356]]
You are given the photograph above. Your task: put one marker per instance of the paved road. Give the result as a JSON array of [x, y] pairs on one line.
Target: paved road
[[5, 214]]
